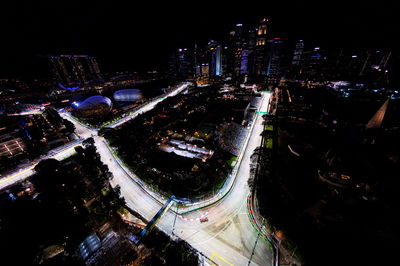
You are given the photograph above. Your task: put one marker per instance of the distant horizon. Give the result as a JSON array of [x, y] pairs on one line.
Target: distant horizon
[[123, 38]]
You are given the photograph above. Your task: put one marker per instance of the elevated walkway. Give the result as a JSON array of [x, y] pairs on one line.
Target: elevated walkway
[[153, 222]]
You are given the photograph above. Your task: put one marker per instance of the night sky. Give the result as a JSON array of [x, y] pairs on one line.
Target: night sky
[[140, 36]]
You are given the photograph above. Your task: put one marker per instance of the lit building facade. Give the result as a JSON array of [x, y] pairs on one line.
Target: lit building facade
[[215, 58], [238, 43], [313, 63], [184, 62], [249, 57], [277, 59], [298, 51], [261, 48]]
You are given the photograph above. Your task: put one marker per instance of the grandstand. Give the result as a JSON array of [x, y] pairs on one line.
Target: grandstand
[[232, 136]]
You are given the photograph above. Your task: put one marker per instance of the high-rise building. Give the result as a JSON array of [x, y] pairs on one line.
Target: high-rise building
[[298, 51], [313, 63], [205, 70], [229, 54], [225, 61], [197, 60], [244, 62], [237, 49], [202, 61], [215, 51], [251, 45], [277, 59], [181, 63], [184, 62], [75, 69], [261, 48]]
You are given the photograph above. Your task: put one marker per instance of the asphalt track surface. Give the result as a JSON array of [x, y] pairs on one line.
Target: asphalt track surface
[[227, 238]]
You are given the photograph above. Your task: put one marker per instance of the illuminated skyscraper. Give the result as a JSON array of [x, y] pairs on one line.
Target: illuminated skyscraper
[[237, 49], [181, 63], [197, 59], [277, 59], [261, 47], [225, 60], [184, 62], [229, 53], [298, 51], [215, 58], [202, 60], [251, 45], [244, 61]]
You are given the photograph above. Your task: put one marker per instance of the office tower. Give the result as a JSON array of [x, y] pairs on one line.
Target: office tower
[[172, 65], [184, 62], [251, 45], [244, 62], [197, 60], [277, 59], [181, 63], [205, 70], [313, 63], [215, 51], [298, 51], [238, 41], [261, 47], [202, 60], [225, 61], [229, 53]]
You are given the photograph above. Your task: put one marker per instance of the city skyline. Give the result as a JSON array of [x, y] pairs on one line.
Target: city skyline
[[195, 135], [140, 38]]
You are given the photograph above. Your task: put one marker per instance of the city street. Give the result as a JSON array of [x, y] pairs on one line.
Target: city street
[[244, 137], [26, 171], [227, 238], [84, 132], [149, 106]]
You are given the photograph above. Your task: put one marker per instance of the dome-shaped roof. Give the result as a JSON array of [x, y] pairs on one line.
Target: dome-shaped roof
[[128, 95], [94, 106], [96, 100]]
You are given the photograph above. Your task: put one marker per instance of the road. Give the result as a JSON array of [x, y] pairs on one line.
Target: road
[[60, 153], [149, 106], [25, 172], [229, 232], [228, 237]]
